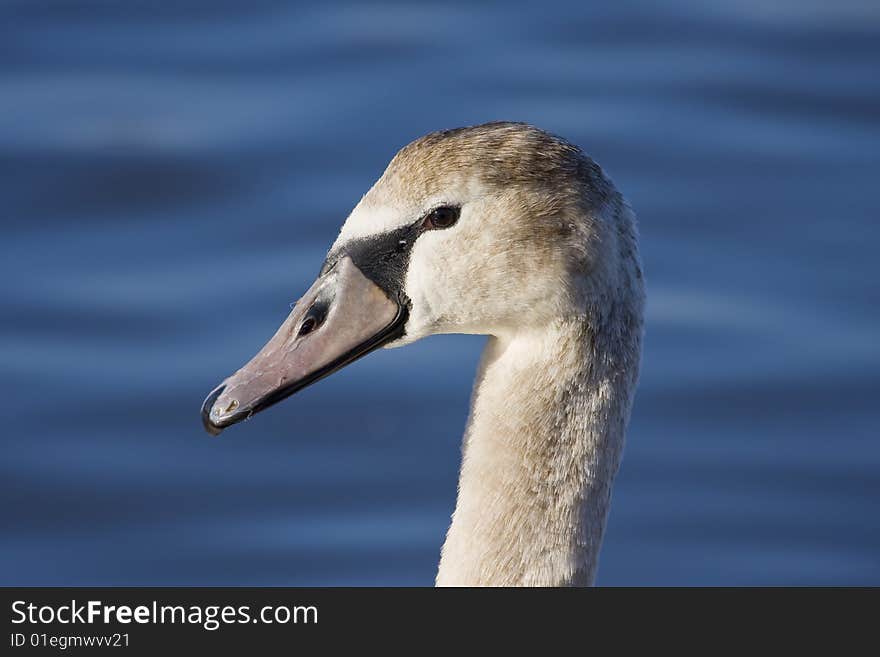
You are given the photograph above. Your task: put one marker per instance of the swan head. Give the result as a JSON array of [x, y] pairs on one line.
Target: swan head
[[491, 229]]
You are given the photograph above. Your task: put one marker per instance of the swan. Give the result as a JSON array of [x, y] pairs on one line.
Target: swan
[[505, 230]]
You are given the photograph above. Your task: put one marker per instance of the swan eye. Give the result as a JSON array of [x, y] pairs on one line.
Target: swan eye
[[442, 217]]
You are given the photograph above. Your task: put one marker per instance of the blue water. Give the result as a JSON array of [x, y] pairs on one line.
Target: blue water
[[171, 179]]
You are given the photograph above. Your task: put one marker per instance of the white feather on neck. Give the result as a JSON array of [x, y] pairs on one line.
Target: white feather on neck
[[540, 453]]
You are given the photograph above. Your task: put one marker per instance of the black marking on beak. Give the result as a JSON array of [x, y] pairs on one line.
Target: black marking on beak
[[384, 259]]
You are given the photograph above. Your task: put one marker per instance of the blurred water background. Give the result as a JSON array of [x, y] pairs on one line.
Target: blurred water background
[[172, 174]]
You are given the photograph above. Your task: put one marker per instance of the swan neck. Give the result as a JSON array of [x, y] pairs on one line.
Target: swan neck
[[540, 453]]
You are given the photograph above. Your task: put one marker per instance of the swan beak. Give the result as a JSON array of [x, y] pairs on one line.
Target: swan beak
[[342, 317]]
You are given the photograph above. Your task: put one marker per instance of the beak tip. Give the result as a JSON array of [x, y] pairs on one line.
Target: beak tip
[[207, 406]]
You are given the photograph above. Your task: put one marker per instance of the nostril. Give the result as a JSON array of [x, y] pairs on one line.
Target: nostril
[[309, 325], [233, 404], [313, 319]]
